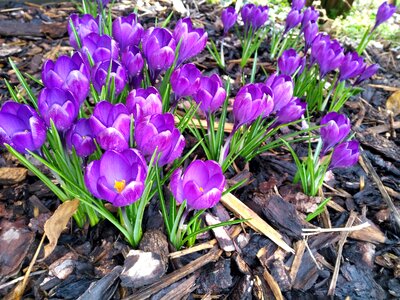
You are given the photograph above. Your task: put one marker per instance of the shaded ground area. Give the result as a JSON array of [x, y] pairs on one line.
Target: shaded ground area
[[247, 265]]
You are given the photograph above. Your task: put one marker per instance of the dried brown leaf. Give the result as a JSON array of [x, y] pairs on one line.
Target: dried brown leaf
[[57, 223], [393, 103]]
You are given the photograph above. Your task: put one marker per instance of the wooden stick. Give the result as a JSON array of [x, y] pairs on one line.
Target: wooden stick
[[300, 246], [381, 187], [203, 246], [169, 279], [254, 221], [342, 241], [273, 285]]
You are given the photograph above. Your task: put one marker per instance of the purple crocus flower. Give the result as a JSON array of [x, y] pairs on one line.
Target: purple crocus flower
[[211, 93], [127, 31], [367, 73], [290, 61], [228, 18], [309, 14], [310, 32], [252, 100], [291, 112], [385, 11], [337, 127], [21, 127], [247, 12], [345, 155], [159, 50], [298, 4], [111, 125], [260, 16], [352, 66], [117, 74], [84, 26], [159, 132], [133, 61], [328, 53], [193, 40], [118, 177], [282, 89], [69, 74], [81, 137], [293, 19], [185, 81], [100, 48], [201, 185], [58, 105], [144, 102]]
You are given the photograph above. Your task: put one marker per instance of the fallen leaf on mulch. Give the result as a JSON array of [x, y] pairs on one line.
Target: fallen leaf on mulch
[[57, 223], [393, 103]]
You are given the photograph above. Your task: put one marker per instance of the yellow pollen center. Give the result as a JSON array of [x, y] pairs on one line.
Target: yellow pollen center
[[201, 189], [119, 185]]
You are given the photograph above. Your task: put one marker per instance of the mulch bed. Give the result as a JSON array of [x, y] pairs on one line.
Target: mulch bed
[[361, 264]]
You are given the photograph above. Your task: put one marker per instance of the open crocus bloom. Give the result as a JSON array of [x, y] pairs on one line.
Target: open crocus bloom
[[337, 127], [201, 185], [117, 177]]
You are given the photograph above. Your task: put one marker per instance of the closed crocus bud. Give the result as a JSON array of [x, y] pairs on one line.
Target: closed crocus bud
[[345, 155], [282, 90], [111, 125], [68, 75], [117, 75], [83, 25], [352, 66], [193, 40], [118, 177], [133, 61], [309, 14], [385, 11], [260, 16], [247, 12], [144, 102], [367, 73], [252, 101], [58, 105], [298, 4], [100, 48], [127, 31], [291, 112], [159, 50], [310, 32], [211, 93], [328, 53], [335, 127], [228, 18], [80, 136], [185, 81], [159, 132], [293, 19], [21, 127], [290, 61], [201, 184]]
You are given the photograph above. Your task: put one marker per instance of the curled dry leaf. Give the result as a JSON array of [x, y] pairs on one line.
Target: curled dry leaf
[[393, 103], [57, 223]]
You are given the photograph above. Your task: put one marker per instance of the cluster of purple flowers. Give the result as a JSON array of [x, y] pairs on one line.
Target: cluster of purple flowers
[[127, 135], [334, 131], [254, 17]]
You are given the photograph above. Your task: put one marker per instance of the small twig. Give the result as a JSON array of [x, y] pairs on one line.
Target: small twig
[[7, 284], [381, 188], [313, 231], [312, 255], [299, 247], [342, 241], [203, 246]]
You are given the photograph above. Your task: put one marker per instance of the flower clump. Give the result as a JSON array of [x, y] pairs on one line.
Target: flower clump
[[112, 119]]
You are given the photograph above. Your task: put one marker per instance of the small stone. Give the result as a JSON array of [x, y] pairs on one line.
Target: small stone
[[10, 176], [141, 268]]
